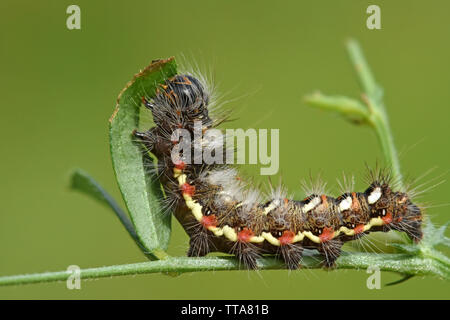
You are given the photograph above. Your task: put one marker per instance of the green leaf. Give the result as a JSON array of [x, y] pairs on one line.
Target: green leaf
[[141, 195], [406, 248], [351, 109], [446, 242], [403, 279], [363, 72], [433, 236]]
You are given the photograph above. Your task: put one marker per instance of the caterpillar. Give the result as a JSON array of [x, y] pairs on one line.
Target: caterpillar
[[221, 214]]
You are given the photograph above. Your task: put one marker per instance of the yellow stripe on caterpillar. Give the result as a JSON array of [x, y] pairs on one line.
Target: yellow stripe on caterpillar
[[311, 236], [257, 239], [194, 206], [298, 237], [376, 222], [347, 231], [269, 237], [181, 179], [229, 233], [218, 232], [176, 172]]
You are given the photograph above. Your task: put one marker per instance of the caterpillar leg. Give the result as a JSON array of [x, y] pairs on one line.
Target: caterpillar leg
[[331, 250], [148, 138], [292, 255], [246, 253], [200, 243]]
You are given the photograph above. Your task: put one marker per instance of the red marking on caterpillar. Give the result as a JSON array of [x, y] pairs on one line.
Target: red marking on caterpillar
[[188, 189], [324, 200], [359, 229], [387, 219], [355, 202], [243, 224], [286, 237], [180, 165], [245, 235], [326, 235], [209, 221]]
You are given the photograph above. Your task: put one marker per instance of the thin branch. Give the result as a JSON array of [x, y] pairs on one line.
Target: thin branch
[[402, 263], [373, 97], [371, 112]]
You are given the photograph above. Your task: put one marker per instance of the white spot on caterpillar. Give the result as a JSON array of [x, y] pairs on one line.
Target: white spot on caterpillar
[[345, 204], [273, 205], [311, 204], [374, 196]]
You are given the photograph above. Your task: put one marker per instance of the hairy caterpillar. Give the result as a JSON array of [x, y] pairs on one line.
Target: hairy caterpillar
[[220, 213]]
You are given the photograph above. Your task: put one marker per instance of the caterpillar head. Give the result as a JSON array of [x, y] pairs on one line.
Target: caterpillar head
[[179, 102], [395, 209], [407, 217]]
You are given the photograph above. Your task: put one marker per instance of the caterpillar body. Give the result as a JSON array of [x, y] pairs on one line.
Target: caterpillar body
[[220, 213]]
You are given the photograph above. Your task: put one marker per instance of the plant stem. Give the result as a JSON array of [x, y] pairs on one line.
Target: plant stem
[[373, 97], [386, 140], [402, 263], [372, 112]]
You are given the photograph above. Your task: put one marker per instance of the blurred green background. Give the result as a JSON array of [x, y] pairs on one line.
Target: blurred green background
[[59, 87]]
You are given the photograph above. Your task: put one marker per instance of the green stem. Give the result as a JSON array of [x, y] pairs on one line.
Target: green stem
[[373, 97], [402, 263], [372, 112], [365, 76], [383, 131]]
